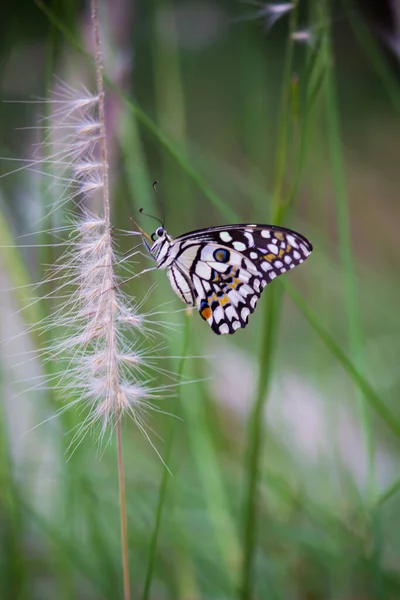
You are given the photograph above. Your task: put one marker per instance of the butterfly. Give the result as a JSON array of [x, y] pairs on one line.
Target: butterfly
[[223, 270]]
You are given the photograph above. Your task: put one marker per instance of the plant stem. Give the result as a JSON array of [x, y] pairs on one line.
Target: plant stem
[[166, 474], [122, 510], [113, 369], [100, 91], [268, 341]]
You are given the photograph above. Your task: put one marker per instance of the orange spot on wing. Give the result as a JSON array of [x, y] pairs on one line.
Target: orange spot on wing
[[269, 257], [281, 252], [279, 235], [206, 313], [224, 300]]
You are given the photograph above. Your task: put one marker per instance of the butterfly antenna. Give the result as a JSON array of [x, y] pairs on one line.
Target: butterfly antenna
[[151, 216], [160, 202]]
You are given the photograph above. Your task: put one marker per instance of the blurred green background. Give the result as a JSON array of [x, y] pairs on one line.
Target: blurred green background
[[284, 453]]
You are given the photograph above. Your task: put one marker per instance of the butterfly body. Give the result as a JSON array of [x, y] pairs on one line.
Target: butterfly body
[[223, 270]]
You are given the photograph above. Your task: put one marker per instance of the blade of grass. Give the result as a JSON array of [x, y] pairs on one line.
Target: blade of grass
[[268, 340], [388, 493], [345, 248], [371, 396], [208, 466], [14, 575], [372, 51], [166, 474]]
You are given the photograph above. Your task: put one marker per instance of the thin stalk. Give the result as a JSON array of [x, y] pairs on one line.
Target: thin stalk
[[14, 581], [373, 51], [100, 91], [366, 389], [268, 341], [113, 364], [346, 254], [388, 493], [122, 510]]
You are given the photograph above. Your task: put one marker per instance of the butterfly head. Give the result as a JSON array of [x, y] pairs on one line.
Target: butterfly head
[[161, 244], [159, 233]]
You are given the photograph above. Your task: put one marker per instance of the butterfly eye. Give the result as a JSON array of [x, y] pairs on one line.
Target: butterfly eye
[[160, 231]]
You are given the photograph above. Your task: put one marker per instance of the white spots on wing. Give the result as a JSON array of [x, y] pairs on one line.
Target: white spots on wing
[[245, 313], [296, 255], [235, 298], [288, 259], [181, 281], [206, 286], [245, 290], [250, 238], [179, 285], [198, 286], [239, 246], [225, 236], [273, 248], [253, 255], [253, 301], [283, 270], [231, 313], [256, 285], [236, 325], [207, 253], [224, 328], [278, 264], [266, 234], [272, 275], [304, 249], [186, 258], [292, 241], [283, 245], [263, 283], [220, 267], [266, 266], [163, 250], [292, 266], [250, 267], [244, 275], [218, 314], [203, 270], [235, 259]]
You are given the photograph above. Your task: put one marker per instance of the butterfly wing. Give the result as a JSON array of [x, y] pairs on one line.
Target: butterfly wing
[[223, 270]]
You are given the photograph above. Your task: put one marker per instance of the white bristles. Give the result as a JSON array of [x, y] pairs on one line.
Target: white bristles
[[270, 12], [97, 352], [303, 36]]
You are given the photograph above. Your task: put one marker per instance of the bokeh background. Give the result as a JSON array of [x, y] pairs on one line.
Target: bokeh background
[[239, 122]]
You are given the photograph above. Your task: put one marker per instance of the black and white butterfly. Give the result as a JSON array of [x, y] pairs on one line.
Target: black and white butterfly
[[223, 270]]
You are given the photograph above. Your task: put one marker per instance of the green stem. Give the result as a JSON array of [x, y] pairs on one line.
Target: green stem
[[368, 391], [346, 254], [268, 341], [122, 510], [166, 473]]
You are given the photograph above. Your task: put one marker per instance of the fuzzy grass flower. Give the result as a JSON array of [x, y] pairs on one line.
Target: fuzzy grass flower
[[96, 331]]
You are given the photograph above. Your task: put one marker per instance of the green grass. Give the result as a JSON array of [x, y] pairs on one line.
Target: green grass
[[283, 455]]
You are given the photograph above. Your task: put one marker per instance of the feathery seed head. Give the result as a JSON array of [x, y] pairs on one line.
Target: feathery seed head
[[97, 329]]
